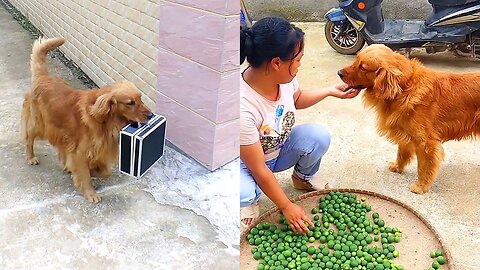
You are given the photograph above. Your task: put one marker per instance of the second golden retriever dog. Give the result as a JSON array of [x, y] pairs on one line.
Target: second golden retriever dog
[[417, 108], [83, 125]]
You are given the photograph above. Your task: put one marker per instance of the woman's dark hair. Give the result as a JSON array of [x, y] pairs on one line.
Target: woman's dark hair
[[268, 38]]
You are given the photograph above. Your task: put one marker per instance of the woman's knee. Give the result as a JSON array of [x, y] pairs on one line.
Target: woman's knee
[[323, 138], [316, 134]]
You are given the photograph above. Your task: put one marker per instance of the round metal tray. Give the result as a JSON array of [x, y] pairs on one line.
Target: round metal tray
[[419, 238]]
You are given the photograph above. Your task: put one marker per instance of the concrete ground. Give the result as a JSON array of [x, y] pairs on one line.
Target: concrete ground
[[179, 216], [358, 156]]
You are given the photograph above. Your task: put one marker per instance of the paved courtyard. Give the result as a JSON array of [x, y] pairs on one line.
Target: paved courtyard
[[358, 156]]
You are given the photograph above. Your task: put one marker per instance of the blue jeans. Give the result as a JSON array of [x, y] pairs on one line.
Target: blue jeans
[[303, 149]]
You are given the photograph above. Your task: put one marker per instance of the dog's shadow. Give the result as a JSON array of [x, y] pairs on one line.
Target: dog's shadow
[[47, 180]]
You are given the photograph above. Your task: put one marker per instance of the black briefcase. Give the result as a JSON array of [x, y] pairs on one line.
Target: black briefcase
[[141, 145]]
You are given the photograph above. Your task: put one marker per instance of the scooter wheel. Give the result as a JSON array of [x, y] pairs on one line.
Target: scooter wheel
[[348, 42]]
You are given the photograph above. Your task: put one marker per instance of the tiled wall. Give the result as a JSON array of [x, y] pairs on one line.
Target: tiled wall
[[197, 86], [198, 71], [110, 40]]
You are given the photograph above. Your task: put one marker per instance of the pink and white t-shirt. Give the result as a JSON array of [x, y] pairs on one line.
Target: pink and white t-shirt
[[269, 122]]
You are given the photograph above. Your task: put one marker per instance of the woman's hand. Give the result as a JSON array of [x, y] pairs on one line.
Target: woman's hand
[[338, 91], [296, 217], [305, 99]]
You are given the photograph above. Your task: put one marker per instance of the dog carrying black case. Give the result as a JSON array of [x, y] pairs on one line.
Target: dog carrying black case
[[141, 145]]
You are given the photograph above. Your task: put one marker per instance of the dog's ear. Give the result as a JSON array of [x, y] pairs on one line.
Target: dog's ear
[[103, 106], [387, 82]]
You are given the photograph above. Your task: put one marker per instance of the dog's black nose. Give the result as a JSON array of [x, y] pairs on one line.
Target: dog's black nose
[[149, 115], [340, 73]]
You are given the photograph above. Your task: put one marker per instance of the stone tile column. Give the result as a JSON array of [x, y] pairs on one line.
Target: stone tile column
[[198, 78]]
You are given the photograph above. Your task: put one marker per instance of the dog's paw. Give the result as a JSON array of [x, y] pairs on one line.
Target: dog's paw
[[418, 188], [93, 197], [32, 161], [393, 167]]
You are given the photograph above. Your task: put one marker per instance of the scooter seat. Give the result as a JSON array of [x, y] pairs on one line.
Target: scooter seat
[[451, 3]]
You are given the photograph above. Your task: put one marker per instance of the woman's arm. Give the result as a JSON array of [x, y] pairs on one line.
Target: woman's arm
[[305, 99], [253, 157]]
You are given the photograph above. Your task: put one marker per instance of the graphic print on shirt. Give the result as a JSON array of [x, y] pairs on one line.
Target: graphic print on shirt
[[272, 139]]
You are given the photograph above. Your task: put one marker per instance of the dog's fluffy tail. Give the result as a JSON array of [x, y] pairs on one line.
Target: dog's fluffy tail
[[40, 49]]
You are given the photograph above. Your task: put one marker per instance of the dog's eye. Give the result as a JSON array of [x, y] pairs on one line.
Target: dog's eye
[[131, 103], [362, 68]]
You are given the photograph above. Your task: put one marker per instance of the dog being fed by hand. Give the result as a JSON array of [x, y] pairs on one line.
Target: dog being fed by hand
[[417, 108], [83, 125]]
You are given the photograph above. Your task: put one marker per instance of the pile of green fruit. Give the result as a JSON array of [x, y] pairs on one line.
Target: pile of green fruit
[[439, 260], [344, 237]]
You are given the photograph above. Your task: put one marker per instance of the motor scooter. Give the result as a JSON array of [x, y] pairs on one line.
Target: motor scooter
[[452, 25]]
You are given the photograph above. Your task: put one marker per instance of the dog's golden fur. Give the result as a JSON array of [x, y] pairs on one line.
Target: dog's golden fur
[[83, 125], [417, 108]]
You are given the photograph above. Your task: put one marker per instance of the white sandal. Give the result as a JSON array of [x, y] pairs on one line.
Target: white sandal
[[251, 212], [328, 186]]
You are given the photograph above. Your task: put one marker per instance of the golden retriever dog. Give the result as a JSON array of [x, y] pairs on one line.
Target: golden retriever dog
[[83, 125], [417, 108]]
